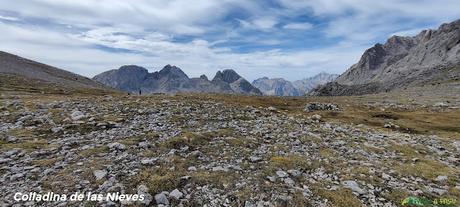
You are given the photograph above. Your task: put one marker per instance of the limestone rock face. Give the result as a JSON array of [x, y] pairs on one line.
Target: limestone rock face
[[431, 56]]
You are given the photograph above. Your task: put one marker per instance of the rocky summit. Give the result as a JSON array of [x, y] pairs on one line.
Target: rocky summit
[[171, 79], [430, 58]]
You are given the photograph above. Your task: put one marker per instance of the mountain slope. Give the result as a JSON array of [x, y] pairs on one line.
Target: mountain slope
[[307, 84], [275, 87], [172, 79], [431, 57], [13, 65], [236, 83]]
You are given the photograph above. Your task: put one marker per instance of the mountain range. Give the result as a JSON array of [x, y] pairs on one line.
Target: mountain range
[[431, 57], [171, 79], [282, 87]]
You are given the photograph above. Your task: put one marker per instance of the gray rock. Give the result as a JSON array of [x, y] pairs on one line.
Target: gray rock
[[148, 161], [176, 194], [77, 115], [353, 185], [310, 107], [161, 198], [16, 176], [441, 178], [143, 190], [99, 174], [281, 174], [116, 146], [289, 181], [255, 159]]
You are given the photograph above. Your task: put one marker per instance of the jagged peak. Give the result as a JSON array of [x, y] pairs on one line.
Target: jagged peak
[[204, 77], [172, 70], [227, 75]]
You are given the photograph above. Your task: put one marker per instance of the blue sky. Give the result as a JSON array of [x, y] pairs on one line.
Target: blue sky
[[291, 39]]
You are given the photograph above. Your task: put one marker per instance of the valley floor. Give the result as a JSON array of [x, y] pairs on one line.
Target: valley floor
[[225, 150]]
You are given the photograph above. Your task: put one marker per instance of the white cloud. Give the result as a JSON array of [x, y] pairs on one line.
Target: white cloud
[[8, 18], [172, 16], [260, 23], [149, 28], [75, 52], [299, 26]]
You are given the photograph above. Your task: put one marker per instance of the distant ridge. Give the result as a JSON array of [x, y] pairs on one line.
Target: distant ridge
[[282, 87], [171, 79]]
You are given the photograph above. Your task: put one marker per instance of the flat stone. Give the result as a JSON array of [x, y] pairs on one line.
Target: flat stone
[[281, 174], [353, 185], [99, 174]]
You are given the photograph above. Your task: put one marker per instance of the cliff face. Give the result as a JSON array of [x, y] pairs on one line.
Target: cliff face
[[431, 56]]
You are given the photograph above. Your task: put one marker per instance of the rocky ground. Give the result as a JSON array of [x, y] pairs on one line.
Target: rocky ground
[[201, 151]]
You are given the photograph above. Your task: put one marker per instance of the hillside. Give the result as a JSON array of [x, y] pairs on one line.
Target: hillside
[[13, 65]]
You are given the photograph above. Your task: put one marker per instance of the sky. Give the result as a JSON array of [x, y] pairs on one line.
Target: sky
[[291, 39]]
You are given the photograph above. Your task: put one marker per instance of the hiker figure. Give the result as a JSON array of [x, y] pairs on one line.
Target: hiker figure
[[140, 92]]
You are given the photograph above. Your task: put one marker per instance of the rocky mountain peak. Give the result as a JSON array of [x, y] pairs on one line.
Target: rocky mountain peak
[[172, 71], [204, 77], [432, 55], [132, 68], [227, 75], [372, 57], [171, 79]]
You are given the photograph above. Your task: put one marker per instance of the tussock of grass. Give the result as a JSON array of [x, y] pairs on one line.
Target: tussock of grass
[[341, 197], [396, 195], [327, 153], [94, 151], [45, 162], [28, 145], [190, 139], [289, 162], [428, 169]]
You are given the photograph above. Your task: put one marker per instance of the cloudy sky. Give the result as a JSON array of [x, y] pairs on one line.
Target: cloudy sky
[[291, 39]]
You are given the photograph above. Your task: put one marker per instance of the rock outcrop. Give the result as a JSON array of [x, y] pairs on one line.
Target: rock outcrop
[[431, 57]]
